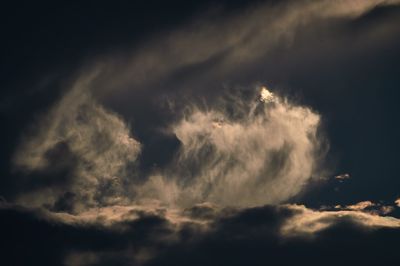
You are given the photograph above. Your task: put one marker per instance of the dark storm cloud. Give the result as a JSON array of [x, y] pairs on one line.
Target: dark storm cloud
[[34, 237], [233, 237], [250, 237]]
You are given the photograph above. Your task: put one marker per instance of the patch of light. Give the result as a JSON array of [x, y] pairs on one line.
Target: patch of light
[[266, 96]]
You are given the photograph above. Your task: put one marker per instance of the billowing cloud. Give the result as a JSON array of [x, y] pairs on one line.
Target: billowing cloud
[[242, 152], [252, 152]]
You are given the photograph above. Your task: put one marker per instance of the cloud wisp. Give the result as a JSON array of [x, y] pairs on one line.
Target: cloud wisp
[[217, 47], [95, 143]]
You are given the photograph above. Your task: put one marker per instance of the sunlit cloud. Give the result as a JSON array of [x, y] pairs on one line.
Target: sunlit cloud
[[97, 142], [361, 205], [368, 207], [230, 41], [309, 222], [266, 96], [239, 156], [397, 202], [342, 177], [257, 154], [262, 151]]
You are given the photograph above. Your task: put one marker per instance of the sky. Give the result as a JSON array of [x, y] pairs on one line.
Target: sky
[[200, 132]]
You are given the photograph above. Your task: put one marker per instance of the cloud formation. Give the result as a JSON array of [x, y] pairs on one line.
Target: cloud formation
[[220, 197], [214, 47], [248, 153], [242, 152], [97, 142], [101, 148], [230, 236]]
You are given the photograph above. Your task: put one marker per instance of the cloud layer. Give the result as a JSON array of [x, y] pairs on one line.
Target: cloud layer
[[280, 235]]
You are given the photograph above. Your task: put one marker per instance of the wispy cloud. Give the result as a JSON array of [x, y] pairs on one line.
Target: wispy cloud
[[98, 141], [308, 221], [251, 154], [218, 46]]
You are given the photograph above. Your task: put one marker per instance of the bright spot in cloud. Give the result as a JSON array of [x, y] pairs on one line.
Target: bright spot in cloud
[[266, 96], [397, 202], [342, 177]]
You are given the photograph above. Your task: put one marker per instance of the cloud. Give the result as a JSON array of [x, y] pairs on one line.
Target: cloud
[[234, 153], [239, 152], [308, 221], [342, 177], [252, 235], [97, 139], [368, 207], [252, 152], [99, 145], [362, 205], [397, 202], [218, 46]]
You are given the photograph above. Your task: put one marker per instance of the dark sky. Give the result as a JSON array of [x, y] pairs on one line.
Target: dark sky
[[200, 132]]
